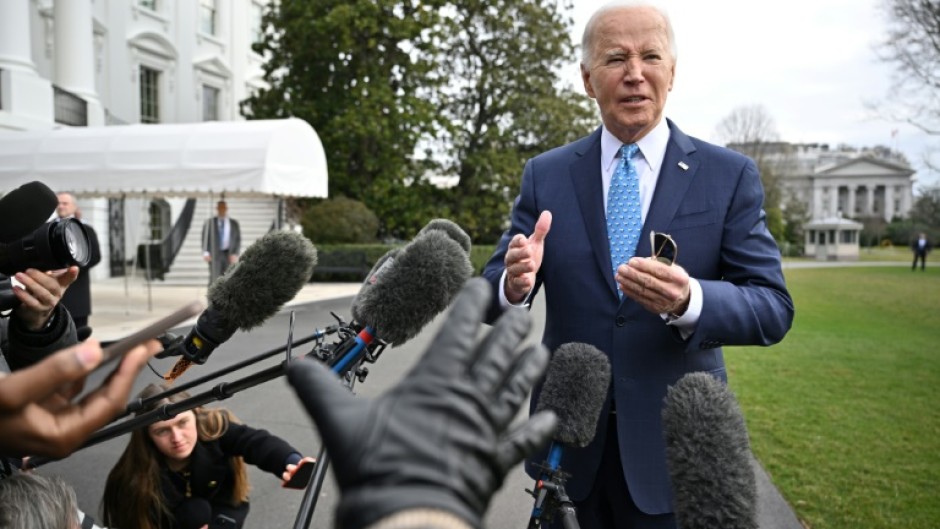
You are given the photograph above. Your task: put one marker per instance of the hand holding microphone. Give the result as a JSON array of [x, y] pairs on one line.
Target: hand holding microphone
[[439, 439]]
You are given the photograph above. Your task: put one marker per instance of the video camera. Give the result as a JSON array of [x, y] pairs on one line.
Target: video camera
[[28, 241]]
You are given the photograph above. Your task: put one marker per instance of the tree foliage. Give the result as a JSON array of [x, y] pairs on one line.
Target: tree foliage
[[354, 70], [912, 46], [404, 93], [340, 220]]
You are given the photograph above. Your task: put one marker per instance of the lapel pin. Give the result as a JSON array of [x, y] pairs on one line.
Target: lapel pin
[[684, 166]]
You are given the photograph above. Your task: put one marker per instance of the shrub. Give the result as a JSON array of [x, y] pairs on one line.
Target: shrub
[[340, 220]]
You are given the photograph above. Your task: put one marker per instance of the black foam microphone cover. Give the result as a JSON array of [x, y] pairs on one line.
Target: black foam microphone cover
[[410, 285], [709, 455], [25, 209], [576, 384]]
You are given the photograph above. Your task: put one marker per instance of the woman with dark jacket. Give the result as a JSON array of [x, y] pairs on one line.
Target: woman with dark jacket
[[172, 468]]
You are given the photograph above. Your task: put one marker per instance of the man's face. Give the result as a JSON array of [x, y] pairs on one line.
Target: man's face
[[630, 71], [175, 438], [221, 209], [66, 207]]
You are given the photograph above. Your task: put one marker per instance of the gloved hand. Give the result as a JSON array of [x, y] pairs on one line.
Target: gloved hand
[[438, 439]]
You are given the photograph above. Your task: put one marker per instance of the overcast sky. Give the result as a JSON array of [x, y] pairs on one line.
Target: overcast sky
[[810, 63]]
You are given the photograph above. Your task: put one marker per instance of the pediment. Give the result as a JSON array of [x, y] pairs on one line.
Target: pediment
[[155, 44], [213, 65], [865, 166]]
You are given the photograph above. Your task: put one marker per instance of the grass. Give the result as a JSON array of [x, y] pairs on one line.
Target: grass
[[844, 414]]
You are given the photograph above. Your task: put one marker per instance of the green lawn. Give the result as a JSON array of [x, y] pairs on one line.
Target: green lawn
[[845, 413]]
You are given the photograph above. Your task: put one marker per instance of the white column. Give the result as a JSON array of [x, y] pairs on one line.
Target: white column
[[833, 201], [870, 200], [889, 201], [851, 201], [75, 54], [27, 97]]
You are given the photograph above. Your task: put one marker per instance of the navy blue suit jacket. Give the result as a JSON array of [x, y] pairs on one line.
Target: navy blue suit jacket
[[710, 200]]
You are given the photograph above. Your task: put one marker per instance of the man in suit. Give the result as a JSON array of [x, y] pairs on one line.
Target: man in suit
[[921, 247], [221, 241], [655, 321], [77, 298]]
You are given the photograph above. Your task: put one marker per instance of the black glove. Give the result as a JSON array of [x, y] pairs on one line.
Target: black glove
[[438, 439]]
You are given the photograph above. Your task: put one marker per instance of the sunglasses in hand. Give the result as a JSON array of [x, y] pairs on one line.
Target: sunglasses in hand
[[664, 248]]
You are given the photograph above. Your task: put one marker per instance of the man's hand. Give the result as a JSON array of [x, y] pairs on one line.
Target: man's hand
[[658, 287], [524, 258], [438, 440], [37, 418], [40, 293]]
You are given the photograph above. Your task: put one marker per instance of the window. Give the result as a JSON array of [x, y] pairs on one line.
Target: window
[[207, 14], [256, 29], [210, 103], [149, 4], [149, 95]]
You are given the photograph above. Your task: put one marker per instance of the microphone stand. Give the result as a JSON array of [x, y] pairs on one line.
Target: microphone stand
[[225, 390], [551, 499]]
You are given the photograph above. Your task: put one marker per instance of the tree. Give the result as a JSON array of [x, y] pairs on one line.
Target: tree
[[504, 105], [751, 131], [912, 45], [355, 71]]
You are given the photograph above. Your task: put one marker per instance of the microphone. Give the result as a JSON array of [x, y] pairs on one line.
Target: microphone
[[270, 273], [708, 455], [25, 209], [406, 288], [576, 384]]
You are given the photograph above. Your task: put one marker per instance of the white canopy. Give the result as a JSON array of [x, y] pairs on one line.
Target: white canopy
[[282, 157]]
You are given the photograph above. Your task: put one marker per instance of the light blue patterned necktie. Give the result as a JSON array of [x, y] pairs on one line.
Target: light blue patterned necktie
[[624, 211]]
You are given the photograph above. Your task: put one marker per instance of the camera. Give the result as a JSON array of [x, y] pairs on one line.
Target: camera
[[51, 246]]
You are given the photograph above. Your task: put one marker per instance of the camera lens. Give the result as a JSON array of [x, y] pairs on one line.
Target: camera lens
[[76, 243]]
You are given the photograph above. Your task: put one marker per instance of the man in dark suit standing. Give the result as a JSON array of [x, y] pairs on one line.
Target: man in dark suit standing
[[655, 321], [77, 298], [221, 241], [921, 247]]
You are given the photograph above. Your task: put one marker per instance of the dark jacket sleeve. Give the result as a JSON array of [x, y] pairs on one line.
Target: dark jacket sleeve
[[22, 347], [258, 447]]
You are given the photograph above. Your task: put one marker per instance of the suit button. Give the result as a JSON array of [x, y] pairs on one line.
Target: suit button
[[621, 321]]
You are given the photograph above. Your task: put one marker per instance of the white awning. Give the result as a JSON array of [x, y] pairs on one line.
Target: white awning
[[282, 157]]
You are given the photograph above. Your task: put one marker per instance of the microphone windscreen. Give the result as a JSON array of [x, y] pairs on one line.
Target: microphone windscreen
[[25, 209], [268, 274], [452, 229], [576, 384], [408, 286], [193, 513], [708, 455]]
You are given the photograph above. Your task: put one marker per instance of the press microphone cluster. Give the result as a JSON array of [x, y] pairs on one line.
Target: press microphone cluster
[[406, 288], [576, 384], [269, 274], [708, 454]]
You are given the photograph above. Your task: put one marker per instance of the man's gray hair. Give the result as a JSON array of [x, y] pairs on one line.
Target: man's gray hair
[[37, 502], [587, 38]]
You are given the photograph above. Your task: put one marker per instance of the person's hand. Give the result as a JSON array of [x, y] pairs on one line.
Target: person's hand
[[207, 258], [289, 472], [524, 258], [438, 440], [660, 288], [38, 417], [40, 293]]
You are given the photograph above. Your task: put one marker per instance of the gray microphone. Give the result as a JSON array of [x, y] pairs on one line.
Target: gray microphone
[[576, 385], [709, 455], [269, 274], [409, 286]]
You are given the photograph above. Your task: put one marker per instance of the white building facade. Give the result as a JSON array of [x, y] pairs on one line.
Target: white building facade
[[92, 63]]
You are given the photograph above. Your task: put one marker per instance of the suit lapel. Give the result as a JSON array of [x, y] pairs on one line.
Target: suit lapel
[[586, 179], [675, 176]]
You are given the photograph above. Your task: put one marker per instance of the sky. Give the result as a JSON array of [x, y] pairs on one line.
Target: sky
[[810, 63]]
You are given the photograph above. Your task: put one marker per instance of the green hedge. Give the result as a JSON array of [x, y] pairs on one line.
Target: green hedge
[[349, 255]]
